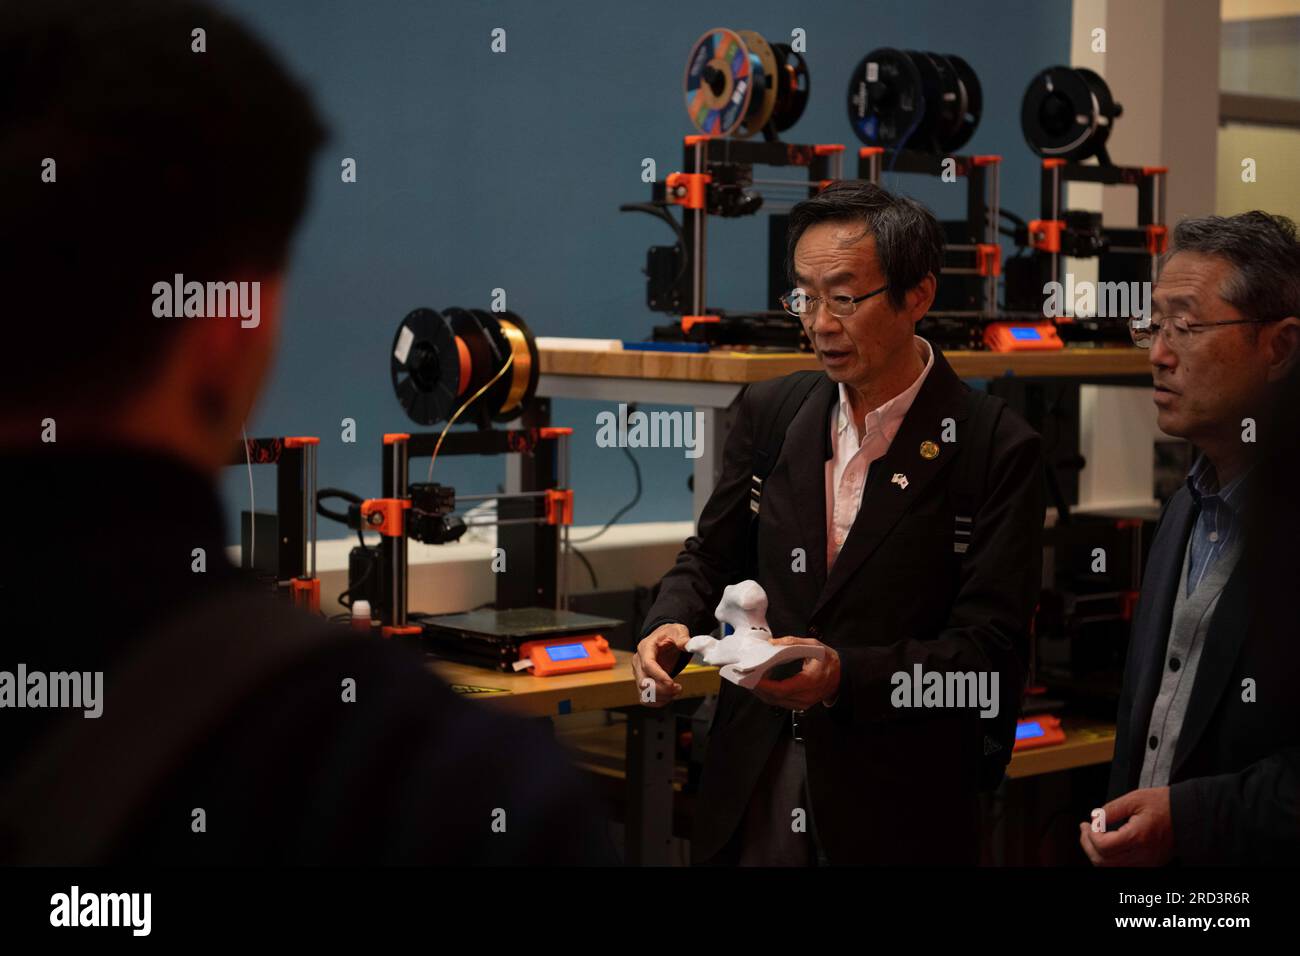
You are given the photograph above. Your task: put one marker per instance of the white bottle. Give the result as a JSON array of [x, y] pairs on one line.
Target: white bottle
[[361, 616]]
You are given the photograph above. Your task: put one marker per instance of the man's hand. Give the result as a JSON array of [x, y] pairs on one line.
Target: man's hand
[[1145, 839], [818, 681], [657, 653]]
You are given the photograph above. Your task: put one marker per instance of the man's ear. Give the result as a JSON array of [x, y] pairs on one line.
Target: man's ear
[[1283, 348], [920, 297], [229, 356]]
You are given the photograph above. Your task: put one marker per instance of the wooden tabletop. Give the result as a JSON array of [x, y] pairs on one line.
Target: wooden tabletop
[[745, 367], [565, 693], [1086, 742]]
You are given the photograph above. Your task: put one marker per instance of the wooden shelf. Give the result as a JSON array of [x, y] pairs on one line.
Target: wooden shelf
[[745, 367], [601, 750], [1086, 743]]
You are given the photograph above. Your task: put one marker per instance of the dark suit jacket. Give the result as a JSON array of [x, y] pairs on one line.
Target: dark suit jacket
[[887, 785], [1235, 784]]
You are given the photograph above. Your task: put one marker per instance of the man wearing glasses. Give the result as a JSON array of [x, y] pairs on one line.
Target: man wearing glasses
[[898, 527], [1207, 749]]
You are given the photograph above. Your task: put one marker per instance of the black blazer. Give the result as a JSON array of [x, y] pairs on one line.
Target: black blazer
[[1235, 784], [887, 785]]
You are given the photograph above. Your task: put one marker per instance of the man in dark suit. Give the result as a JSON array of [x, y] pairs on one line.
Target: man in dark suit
[[862, 550], [1207, 748]]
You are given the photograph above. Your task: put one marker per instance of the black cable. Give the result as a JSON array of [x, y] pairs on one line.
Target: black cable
[[1011, 233], [660, 211], [595, 585], [636, 469], [370, 567], [345, 596], [338, 516], [1018, 220]]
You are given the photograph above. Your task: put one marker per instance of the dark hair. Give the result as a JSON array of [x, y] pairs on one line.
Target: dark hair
[[1264, 254], [166, 161], [909, 239]]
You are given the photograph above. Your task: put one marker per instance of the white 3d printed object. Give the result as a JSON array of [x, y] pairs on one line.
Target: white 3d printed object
[[747, 653]]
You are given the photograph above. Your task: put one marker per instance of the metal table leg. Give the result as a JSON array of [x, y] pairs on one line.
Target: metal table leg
[[650, 750]]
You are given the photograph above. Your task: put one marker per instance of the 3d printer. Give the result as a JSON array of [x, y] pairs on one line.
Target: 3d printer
[[480, 367]]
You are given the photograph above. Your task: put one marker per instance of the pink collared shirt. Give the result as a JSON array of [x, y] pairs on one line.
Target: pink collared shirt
[[852, 454]]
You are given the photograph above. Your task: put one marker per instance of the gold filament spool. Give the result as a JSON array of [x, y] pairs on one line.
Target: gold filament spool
[[523, 365]]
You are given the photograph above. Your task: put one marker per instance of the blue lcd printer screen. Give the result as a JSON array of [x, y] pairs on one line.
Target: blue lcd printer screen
[[566, 652], [1024, 333], [1029, 731]]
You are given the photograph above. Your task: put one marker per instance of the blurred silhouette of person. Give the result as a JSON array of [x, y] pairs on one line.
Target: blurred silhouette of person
[[225, 736]]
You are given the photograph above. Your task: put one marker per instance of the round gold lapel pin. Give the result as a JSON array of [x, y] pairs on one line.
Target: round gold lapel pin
[[929, 450]]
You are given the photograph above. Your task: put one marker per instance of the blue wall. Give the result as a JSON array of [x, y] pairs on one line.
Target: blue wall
[[479, 170]]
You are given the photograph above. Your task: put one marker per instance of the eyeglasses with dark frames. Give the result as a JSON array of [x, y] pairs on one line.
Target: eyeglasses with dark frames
[[1177, 331], [803, 306]]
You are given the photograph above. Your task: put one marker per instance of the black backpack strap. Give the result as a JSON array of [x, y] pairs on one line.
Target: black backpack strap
[[771, 427], [969, 486], [969, 489], [77, 791], [772, 420]]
